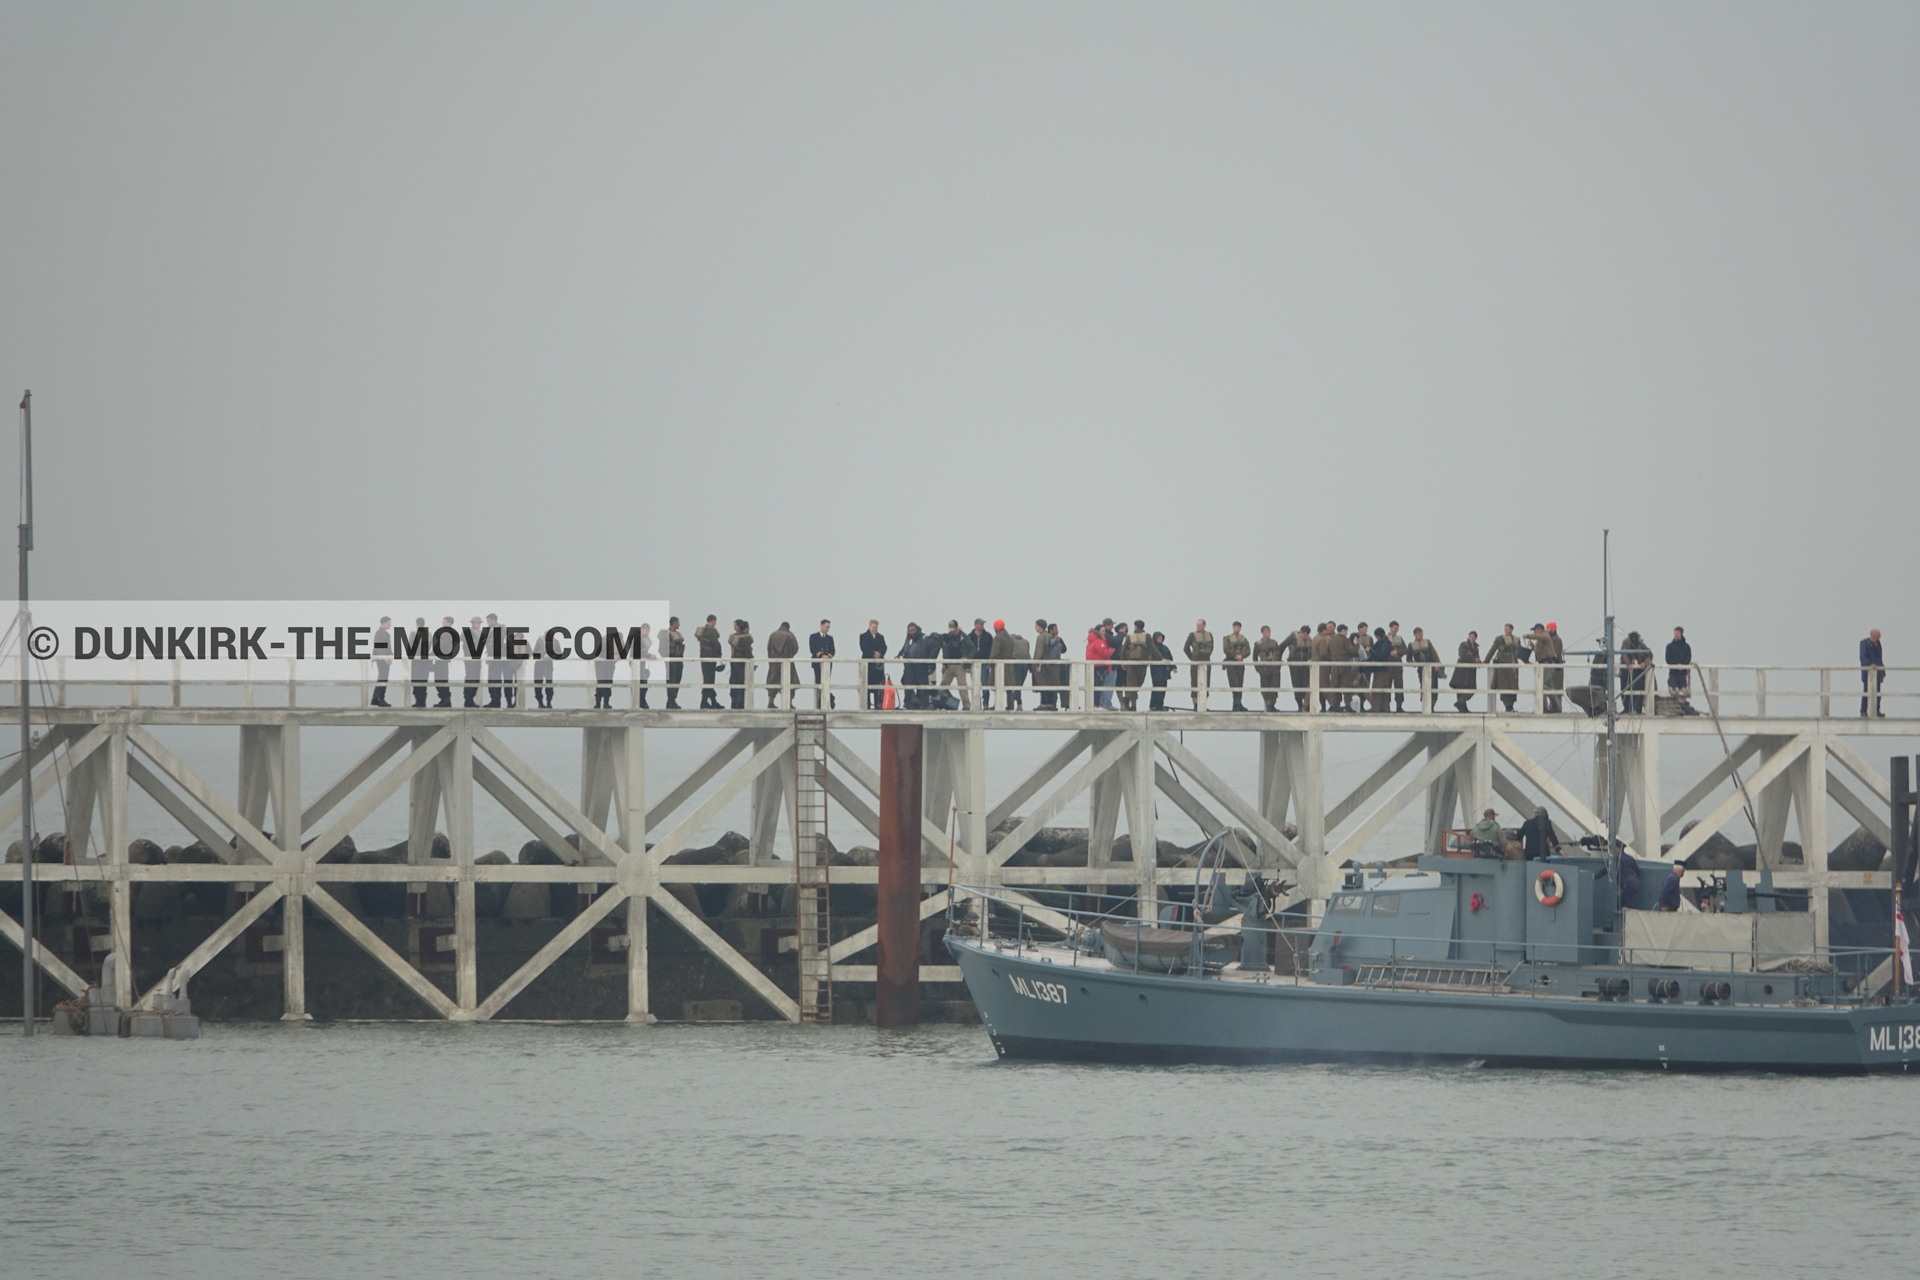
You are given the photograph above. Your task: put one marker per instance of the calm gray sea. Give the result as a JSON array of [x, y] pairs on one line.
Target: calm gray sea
[[416, 1150]]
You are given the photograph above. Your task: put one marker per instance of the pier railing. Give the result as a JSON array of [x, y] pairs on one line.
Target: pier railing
[[1728, 691]]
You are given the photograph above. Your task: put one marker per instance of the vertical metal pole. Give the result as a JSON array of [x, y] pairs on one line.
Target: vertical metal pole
[[1903, 847], [1613, 676], [27, 1010], [897, 975]]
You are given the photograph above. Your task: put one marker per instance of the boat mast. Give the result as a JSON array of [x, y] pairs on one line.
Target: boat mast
[[26, 723], [1613, 748]]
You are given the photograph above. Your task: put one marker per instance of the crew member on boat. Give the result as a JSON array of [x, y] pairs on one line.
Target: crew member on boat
[[1489, 841], [1670, 888], [1537, 841]]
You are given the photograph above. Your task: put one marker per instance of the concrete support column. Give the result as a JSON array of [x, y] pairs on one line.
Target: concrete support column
[[897, 973], [1306, 763], [1443, 799], [1142, 829], [285, 757], [121, 905], [460, 836], [641, 876], [1809, 776]]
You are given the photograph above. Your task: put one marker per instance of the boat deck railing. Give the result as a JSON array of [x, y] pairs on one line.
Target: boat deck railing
[[1858, 973]]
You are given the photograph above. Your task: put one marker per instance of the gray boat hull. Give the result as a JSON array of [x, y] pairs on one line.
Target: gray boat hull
[[1044, 1006]]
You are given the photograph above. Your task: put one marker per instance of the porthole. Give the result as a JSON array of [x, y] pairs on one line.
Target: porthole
[[1085, 992], [1768, 988], [1143, 997]]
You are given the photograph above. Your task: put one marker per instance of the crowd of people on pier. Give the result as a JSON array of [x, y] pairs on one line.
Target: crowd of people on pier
[[1329, 667]]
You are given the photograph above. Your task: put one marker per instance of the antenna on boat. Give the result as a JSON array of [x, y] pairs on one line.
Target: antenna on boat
[[1613, 748], [25, 625]]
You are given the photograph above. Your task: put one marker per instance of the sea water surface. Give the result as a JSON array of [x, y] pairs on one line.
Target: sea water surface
[[518, 1150]]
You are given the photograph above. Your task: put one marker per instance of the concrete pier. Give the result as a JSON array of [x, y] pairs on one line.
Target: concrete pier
[[1796, 751]]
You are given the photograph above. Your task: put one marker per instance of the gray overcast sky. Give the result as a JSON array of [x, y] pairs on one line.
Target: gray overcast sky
[[1276, 312]]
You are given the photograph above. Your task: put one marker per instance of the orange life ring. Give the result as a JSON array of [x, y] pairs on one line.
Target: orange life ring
[[1540, 891]]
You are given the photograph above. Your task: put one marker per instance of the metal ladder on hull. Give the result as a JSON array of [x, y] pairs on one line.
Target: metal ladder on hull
[[812, 905]]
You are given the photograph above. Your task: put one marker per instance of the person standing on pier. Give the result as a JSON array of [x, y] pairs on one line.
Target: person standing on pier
[[1679, 658], [820, 645], [476, 644], [1136, 652], [1162, 671], [1466, 672], [382, 661], [420, 667], [1098, 651], [603, 668], [676, 649], [708, 638], [1199, 651], [980, 650], [1426, 678], [781, 674], [1873, 673], [1048, 682], [1235, 649], [1397, 644], [542, 673], [1384, 667], [957, 653], [1267, 653], [917, 674], [873, 646], [443, 669], [496, 666], [641, 661], [1548, 653], [1636, 660], [1006, 673], [1299, 646], [1503, 655], [741, 642]]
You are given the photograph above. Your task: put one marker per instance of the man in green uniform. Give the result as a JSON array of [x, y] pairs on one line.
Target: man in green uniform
[[1489, 841], [708, 637], [1235, 649], [1548, 653], [1267, 653], [1503, 655], [1299, 646], [1394, 673], [1466, 672], [782, 644], [741, 642], [1199, 651], [1420, 653], [1136, 652], [676, 650]]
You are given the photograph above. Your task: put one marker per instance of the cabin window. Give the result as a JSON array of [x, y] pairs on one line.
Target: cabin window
[[1346, 904], [1386, 904]]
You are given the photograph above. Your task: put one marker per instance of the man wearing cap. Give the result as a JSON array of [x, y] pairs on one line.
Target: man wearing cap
[[1136, 651], [1267, 653], [1397, 648], [420, 665], [1679, 663], [1199, 651], [1537, 839], [1300, 645], [956, 649], [1489, 841]]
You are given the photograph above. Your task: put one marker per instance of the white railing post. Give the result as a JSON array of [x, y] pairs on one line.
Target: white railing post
[[1760, 692], [1826, 692]]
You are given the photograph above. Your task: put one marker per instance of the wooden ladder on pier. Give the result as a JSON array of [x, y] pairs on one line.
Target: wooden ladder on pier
[[810, 867]]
